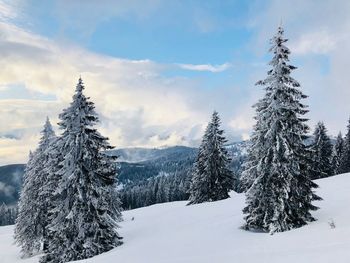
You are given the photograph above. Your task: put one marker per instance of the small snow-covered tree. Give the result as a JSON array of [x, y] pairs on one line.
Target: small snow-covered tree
[[212, 180], [338, 149], [279, 192], [32, 211], [84, 215], [344, 166], [321, 149]]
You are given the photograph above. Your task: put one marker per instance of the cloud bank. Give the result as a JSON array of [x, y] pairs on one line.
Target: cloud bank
[[138, 106], [145, 102]]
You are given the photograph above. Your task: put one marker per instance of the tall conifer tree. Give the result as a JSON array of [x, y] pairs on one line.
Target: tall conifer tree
[[84, 217], [212, 180], [280, 190], [32, 211]]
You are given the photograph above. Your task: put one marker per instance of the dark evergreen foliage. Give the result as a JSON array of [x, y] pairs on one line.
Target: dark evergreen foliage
[[321, 153], [337, 155], [160, 189], [8, 215], [212, 180], [344, 166]]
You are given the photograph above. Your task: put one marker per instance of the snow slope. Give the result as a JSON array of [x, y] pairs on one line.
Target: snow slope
[[210, 233]]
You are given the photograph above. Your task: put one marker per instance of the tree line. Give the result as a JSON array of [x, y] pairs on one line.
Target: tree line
[[8, 214], [159, 189]]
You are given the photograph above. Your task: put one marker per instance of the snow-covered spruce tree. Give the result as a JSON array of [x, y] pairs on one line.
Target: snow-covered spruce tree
[[321, 150], [338, 149], [84, 217], [212, 180], [280, 195], [32, 211], [44, 159], [344, 166]]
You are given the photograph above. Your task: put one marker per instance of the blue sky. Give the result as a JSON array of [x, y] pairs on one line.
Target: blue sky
[[156, 69], [169, 31]]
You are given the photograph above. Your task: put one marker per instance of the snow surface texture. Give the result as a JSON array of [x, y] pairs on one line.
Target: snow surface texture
[[210, 232]]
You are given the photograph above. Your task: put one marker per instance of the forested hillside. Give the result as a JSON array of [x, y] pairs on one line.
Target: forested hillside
[[136, 167]]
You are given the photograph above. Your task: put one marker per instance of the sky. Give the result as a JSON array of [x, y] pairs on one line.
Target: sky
[[157, 69]]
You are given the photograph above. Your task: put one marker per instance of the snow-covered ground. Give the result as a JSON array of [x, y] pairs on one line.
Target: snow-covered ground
[[210, 233]]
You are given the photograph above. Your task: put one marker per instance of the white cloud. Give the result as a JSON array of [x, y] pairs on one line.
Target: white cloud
[[137, 105], [3, 87], [319, 42], [7, 12], [15, 151], [243, 122], [206, 67]]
